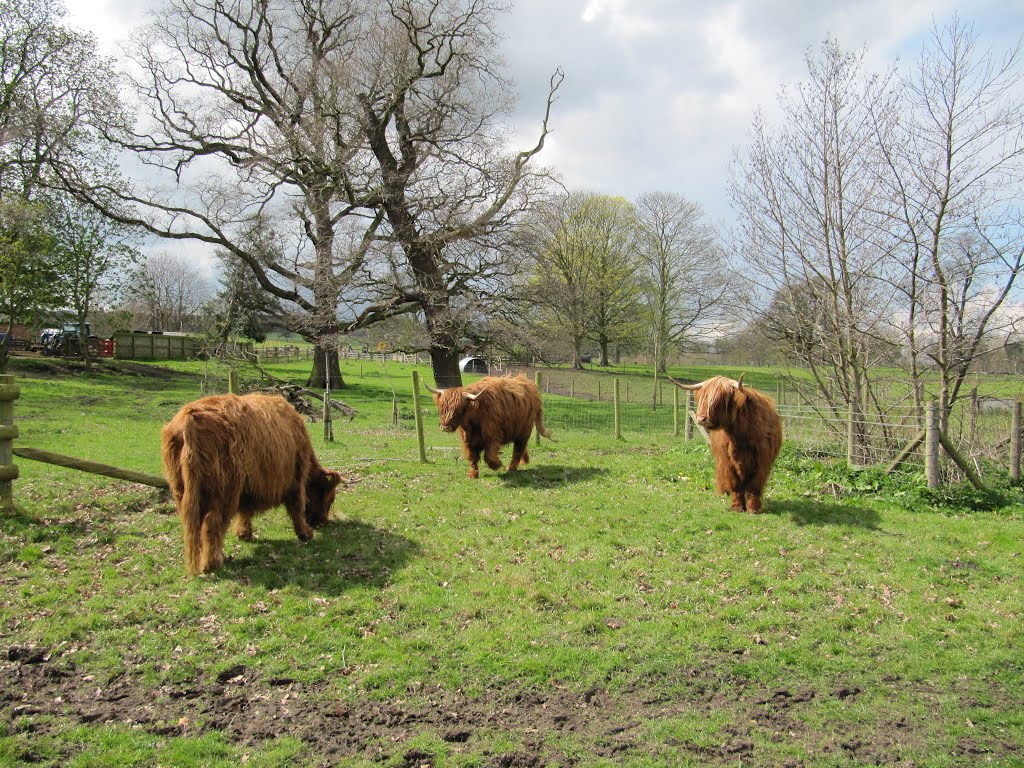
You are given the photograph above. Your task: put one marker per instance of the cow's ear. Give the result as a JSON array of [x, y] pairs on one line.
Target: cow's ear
[[333, 478]]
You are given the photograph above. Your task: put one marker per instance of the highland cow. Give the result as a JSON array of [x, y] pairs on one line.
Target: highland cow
[[490, 413], [229, 457], [746, 435]]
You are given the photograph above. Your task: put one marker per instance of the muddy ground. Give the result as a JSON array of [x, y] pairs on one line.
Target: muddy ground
[[40, 694]]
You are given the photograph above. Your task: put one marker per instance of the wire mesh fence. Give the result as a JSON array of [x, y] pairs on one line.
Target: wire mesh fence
[[827, 433], [815, 426]]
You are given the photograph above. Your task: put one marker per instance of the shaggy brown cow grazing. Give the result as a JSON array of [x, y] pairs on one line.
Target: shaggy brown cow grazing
[[490, 413], [746, 435], [226, 456]]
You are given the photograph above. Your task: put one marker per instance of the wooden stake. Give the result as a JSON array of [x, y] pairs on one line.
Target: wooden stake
[[420, 438]]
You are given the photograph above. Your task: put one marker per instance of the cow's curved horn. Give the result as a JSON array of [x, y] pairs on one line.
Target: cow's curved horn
[[739, 381], [689, 387], [433, 391], [471, 396]]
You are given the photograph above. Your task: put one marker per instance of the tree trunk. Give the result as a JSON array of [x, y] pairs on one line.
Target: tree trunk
[[83, 344], [445, 363], [325, 358], [442, 330]]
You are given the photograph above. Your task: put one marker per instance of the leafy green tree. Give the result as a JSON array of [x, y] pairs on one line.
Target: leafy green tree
[[28, 280], [242, 308], [91, 255], [585, 272], [683, 272]]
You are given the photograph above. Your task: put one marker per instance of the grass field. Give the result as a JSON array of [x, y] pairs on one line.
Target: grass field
[[602, 607]]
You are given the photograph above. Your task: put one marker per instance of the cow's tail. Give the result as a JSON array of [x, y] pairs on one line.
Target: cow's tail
[[193, 465], [541, 429]]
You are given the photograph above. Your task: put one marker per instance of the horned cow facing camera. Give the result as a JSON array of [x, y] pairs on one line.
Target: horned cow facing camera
[[490, 413], [228, 457], [746, 435]]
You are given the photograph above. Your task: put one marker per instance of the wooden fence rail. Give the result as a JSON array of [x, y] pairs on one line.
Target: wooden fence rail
[[93, 467]]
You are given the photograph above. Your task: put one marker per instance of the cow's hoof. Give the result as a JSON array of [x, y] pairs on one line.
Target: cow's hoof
[[306, 535], [472, 474], [246, 536]]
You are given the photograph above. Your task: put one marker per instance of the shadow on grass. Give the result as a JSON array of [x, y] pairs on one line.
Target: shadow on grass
[[548, 475], [805, 512], [342, 555]]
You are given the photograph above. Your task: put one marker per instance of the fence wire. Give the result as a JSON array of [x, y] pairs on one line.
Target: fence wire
[[817, 431]]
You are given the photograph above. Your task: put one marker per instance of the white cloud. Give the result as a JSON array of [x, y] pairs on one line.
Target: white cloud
[[621, 18]]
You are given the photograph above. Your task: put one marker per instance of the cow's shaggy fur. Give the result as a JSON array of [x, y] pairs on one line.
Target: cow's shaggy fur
[[227, 456], [490, 413], [746, 435]]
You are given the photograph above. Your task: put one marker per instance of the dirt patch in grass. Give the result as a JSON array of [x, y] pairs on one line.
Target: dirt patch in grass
[[34, 366], [39, 694]]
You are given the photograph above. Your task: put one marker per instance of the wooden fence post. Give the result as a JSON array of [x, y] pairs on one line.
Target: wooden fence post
[[931, 445], [851, 439], [972, 429], [538, 379], [1015, 442], [418, 415], [9, 392], [233, 382], [688, 428], [328, 423], [618, 415], [675, 411]]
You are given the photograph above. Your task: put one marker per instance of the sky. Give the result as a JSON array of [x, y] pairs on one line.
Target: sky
[[658, 94]]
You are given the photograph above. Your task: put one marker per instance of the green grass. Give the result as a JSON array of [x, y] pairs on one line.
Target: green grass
[[602, 607]]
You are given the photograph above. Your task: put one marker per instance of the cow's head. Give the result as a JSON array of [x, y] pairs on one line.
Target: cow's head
[[717, 400], [321, 489], [452, 406]]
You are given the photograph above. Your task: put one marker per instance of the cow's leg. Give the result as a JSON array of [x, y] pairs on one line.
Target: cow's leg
[[492, 455], [243, 526], [473, 457], [215, 525], [295, 503], [737, 501], [519, 455], [753, 499]]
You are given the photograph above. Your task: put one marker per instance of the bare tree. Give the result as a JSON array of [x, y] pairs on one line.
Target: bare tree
[[812, 235], [165, 293], [247, 129], [349, 152], [684, 271], [432, 106], [956, 173]]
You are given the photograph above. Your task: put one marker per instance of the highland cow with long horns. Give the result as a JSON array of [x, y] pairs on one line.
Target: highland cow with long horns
[[490, 413], [746, 435], [229, 457]]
